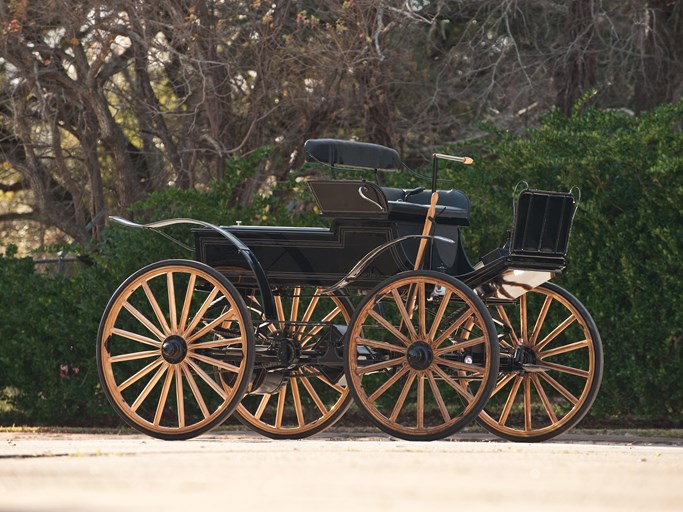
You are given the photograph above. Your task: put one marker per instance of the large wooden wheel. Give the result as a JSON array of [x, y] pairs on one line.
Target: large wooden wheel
[[552, 383], [422, 355], [167, 334], [306, 398]]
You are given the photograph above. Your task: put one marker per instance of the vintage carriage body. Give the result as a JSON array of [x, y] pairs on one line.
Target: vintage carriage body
[[286, 326]]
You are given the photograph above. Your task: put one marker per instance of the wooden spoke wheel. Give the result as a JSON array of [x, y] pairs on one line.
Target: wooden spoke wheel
[[167, 334], [303, 399], [552, 381], [422, 355]]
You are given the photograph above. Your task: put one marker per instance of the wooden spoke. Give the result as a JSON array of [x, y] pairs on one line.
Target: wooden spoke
[[297, 402], [473, 368], [187, 303], [221, 342], [326, 381], [420, 401], [148, 388], [544, 398], [550, 337], [502, 383], [564, 349], [438, 397], [295, 304], [362, 370], [144, 321], [314, 395], [230, 314], [565, 369], [315, 330], [157, 310], [510, 400], [527, 404], [206, 378], [407, 321], [164, 396], [309, 310], [180, 400], [402, 398], [280, 406], [523, 327], [452, 328], [388, 383], [508, 324], [448, 380], [280, 311], [137, 376], [136, 337], [559, 387], [385, 323], [195, 391], [133, 356], [455, 347], [421, 299], [540, 320], [365, 342], [202, 310], [439, 315], [262, 406], [173, 314], [215, 362]]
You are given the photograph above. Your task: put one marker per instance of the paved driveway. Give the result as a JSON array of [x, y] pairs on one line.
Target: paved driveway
[[335, 472]]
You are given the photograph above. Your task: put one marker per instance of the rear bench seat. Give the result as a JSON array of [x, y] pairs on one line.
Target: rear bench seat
[[453, 206]]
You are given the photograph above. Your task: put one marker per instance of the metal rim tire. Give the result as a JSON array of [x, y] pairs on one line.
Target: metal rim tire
[[162, 344], [561, 343], [422, 355], [307, 402]]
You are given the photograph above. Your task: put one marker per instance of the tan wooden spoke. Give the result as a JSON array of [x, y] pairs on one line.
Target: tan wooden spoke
[[228, 315], [460, 345], [136, 337], [164, 396], [523, 320], [585, 374], [150, 385], [463, 392], [506, 321], [405, 317], [133, 356], [502, 383], [280, 406], [420, 401], [540, 320], [308, 336], [315, 396], [452, 328], [563, 349], [220, 342], [402, 397], [388, 383], [143, 320], [185, 313], [262, 406], [297, 403], [382, 345], [180, 399], [457, 365], [157, 310], [559, 387], [544, 398], [195, 390], [527, 403], [173, 313], [397, 361], [201, 312], [510, 400], [438, 397], [439, 315], [393, 330], [556, 332], [206, 378], [140, 374], [421, 308]]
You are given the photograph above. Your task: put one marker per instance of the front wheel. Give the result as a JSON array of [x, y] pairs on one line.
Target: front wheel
[[554, 378], [167, 335], [422, 355]]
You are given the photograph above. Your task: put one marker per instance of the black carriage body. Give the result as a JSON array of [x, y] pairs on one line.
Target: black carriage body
[[366, 216]]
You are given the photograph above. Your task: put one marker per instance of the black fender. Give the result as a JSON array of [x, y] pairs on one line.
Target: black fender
[[267, 299]]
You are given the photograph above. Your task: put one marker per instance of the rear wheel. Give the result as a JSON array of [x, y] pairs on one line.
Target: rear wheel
[[166, 335], [553, 380], [422, 355], [302, 399]]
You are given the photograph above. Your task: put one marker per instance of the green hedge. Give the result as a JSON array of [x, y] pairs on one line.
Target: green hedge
[[626, 262], [626, 248]]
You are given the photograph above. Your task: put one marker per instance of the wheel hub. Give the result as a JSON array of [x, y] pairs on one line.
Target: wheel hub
[[174, 349], [420, 355]]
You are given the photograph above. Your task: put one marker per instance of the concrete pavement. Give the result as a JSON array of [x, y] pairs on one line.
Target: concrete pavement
[[335, 472]]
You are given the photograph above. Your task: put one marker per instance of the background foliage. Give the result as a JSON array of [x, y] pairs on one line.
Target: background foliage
[[626, 259]]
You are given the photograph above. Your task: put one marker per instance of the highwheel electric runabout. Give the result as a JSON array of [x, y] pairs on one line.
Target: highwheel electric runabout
[[286, 327]]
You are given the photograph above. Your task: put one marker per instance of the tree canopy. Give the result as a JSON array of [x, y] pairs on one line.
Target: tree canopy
[[105, 102]]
